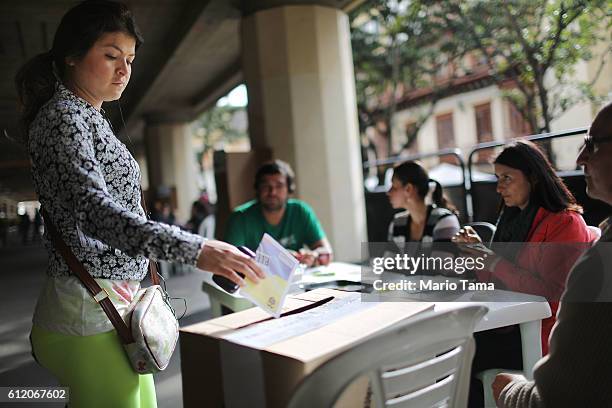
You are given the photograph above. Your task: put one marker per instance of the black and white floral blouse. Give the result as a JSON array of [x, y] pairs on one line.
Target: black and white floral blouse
[[89, 184]]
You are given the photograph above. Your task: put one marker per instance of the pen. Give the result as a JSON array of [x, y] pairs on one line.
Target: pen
[[246, 251]]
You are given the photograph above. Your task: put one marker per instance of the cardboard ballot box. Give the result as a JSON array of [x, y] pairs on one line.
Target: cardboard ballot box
[[247, 359]]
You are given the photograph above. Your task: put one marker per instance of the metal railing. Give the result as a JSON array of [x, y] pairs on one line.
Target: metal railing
[[454, 152], [467, 169]]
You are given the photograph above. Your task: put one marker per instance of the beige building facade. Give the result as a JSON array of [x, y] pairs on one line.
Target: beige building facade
[[483, 114]]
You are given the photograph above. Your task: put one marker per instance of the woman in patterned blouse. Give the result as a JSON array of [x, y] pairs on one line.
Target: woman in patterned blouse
[[89, 185]]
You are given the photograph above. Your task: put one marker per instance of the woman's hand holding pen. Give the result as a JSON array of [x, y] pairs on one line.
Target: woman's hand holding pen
[[226, 260], [466, 235], [471, 245]]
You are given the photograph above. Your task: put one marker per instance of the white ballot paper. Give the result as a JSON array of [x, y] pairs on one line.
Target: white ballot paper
[[278, 265]]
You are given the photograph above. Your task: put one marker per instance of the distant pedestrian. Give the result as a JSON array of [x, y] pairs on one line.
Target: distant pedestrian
[[24, 227], [37, 225]]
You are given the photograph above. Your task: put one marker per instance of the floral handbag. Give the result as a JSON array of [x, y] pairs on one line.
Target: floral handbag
[[149, 329]]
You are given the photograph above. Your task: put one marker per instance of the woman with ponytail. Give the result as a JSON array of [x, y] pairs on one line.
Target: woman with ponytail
[[88, 184], [435, 222]]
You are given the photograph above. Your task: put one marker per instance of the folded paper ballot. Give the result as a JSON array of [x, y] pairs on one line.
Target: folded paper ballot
[[279, 266]]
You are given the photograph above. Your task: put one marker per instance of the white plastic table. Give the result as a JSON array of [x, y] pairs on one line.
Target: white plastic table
[[505, 308]]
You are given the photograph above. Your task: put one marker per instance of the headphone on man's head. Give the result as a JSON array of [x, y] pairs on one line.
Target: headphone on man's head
[[290, 184], [276, 167]]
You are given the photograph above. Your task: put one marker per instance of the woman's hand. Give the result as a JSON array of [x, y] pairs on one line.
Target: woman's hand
[[466, 235], [470, 245], [226, 260], [479, 251]]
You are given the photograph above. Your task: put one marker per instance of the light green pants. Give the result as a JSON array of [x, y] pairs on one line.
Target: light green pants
[[95, 369]]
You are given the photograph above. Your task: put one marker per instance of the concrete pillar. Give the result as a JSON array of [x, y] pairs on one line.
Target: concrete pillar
[[298, 67], [171, 163]]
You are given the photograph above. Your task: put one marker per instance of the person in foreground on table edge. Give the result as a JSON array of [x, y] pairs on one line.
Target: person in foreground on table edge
[[578, 370], [88, 183], [290, 221]]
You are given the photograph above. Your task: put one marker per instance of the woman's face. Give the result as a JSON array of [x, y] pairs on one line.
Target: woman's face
[[104, 72], [513, 186], [399, 194]]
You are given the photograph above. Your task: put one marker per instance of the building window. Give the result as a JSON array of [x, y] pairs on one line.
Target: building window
[[518, 125], [446, 135], [484, 130]]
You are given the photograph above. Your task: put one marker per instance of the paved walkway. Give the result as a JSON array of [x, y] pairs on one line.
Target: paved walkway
[[21, 277]]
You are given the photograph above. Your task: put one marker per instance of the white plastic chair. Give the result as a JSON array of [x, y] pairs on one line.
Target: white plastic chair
[[485, 230], [421, 362], [166, 269], [596, 232], [532, 353], [207, 227]]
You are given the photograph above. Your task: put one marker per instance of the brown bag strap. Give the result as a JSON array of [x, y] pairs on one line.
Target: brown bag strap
[[152, 264], [100, 295]]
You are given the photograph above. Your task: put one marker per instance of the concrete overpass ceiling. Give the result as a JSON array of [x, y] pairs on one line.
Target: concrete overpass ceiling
[[250, 6], [205, 63], [191, 48], [202, 52]]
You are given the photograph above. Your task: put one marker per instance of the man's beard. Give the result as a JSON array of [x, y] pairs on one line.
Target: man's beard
[[277, 205]]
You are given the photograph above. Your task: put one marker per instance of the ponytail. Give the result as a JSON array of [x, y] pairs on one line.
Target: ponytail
[[439, 199], [414, 173], [35, 83]]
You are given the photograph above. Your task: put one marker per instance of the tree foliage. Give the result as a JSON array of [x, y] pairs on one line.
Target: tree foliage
[[534, 44], [530, 47], [392, 53], [218, 126]]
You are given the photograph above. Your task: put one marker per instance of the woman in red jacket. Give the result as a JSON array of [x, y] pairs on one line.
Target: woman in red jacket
[[537, 209]]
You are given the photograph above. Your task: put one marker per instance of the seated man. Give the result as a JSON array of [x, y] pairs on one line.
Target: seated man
[[578, 370], [290, 221]]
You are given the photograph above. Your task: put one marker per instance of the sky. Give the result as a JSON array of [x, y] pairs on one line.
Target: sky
[[236, 97]]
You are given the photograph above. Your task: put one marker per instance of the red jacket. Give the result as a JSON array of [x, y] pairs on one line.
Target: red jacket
[[540, 269]]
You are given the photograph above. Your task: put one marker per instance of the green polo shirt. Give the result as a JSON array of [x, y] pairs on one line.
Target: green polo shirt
[[298, 227]]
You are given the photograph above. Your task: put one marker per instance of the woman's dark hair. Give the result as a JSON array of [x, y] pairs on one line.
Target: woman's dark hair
[[276, 167], [547, 189], [414, 173], [79, 29]]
